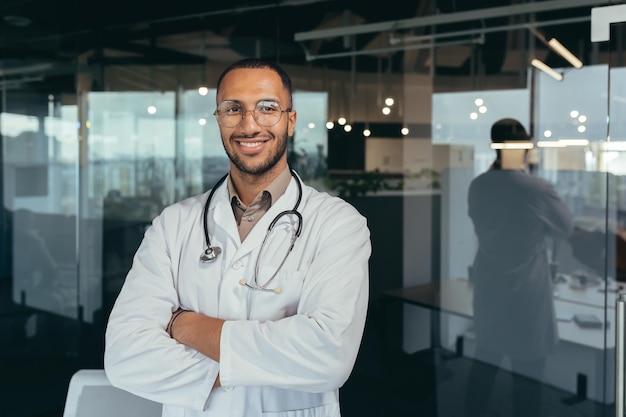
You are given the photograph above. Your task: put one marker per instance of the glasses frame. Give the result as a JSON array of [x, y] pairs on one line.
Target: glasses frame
[[216, 113]]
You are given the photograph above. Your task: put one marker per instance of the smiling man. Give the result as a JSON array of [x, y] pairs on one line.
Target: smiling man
[[250, 298], [255, 140]]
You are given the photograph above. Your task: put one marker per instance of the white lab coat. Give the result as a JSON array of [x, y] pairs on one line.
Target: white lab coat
[[282, 355]]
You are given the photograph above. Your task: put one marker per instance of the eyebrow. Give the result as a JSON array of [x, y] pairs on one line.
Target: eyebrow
[[273, 100]]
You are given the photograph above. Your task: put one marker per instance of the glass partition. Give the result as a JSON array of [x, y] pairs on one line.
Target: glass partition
[[497, 245], [522, 310], [41, 309]]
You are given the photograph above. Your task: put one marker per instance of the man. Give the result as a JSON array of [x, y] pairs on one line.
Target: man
[[513, 212], [250, 328]]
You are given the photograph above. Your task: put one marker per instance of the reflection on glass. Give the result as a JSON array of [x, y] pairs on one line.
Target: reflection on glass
[[513, 212], [42, 271], [40, 184], [454, 125]]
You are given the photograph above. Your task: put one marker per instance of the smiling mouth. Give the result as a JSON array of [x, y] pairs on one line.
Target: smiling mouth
[[251, 144]]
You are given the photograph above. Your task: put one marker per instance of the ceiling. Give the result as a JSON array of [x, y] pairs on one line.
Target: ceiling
[[41, 41]]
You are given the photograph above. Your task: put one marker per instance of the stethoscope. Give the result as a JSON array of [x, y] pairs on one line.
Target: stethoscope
[[211, 253]]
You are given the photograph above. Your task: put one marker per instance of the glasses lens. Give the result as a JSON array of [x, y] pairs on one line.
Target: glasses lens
[[229, 114], [266, 113]]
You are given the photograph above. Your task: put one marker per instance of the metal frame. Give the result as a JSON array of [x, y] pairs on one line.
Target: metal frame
[[479, 14]]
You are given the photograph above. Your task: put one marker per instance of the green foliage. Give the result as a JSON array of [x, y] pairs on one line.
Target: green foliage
[[362, 183]]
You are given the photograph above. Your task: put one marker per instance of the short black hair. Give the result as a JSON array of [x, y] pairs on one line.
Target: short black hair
[[507, 130], [255, 63]]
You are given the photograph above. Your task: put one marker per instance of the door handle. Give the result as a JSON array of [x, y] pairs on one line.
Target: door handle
[[620, 309]]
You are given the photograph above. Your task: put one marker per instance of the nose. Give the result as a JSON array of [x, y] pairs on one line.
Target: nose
[[246, 121], [245, 114]]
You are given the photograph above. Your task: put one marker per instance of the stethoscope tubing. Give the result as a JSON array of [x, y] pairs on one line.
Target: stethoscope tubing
[[211, 253], [205, 212]]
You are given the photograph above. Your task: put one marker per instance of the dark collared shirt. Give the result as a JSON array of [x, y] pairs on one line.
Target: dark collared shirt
[[248, 216]]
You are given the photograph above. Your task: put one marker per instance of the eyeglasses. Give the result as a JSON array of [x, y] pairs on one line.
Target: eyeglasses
[[266, 113]]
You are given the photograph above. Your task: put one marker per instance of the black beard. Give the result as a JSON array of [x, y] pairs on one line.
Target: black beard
[[267, 165]]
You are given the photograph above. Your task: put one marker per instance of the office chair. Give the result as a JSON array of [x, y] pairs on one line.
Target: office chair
[[90, 394]]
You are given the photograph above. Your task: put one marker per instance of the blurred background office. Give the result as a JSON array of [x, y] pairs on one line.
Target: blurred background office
[[106, 117]]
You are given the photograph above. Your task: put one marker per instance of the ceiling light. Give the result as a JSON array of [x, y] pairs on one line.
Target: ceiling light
[[562, 143], [543, 67], [565, 53], [574, 142], [613, 146], [512, 145], [550, 144]]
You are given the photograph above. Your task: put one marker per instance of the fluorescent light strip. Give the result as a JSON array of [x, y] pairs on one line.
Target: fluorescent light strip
[[550, 144], [613, 146], [565, 53], [543, 67], [562, 143], [512, 145], [574, 142]]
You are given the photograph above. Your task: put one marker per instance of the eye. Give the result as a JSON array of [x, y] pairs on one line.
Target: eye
[[234, 109], [268, 107], [230, 109]]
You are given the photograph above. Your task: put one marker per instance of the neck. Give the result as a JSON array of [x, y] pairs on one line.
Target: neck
[[248, 186]]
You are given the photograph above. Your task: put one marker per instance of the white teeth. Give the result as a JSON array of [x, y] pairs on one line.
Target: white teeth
[[250, 144]]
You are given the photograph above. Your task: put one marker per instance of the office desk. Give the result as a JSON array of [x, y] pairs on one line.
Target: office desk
[[582, 351], [455, 296]]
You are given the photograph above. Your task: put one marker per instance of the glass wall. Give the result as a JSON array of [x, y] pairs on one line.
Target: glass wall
[[489, 167]]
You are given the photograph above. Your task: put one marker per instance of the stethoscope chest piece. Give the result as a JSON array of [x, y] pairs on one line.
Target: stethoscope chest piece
[[210, 254]]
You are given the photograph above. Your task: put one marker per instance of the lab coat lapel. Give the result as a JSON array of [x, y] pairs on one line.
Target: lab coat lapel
[[257, 234], [222, 222]]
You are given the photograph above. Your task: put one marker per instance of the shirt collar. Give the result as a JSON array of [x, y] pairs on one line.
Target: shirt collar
[[275, 189]]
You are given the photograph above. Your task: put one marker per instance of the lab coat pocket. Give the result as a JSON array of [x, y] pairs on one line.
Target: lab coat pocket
[[281, 295]]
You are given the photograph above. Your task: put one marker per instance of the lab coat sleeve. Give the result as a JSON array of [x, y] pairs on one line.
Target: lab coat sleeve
[[140, 357], [554, 214], [315, 349]]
